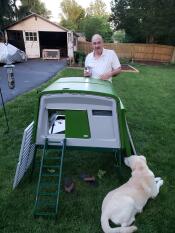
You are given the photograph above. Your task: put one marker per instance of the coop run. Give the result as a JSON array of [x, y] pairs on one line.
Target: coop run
[[73, 112]]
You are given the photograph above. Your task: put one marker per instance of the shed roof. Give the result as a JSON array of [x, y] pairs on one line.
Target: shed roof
[[36, 15]]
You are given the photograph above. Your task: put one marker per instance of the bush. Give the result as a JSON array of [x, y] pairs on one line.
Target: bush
[[79, 57]]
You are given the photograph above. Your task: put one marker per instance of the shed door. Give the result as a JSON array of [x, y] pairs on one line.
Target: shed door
[[32, 44]]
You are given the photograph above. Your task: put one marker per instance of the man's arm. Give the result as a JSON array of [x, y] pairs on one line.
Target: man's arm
[[110, 74], [115, 65], [87, 72]]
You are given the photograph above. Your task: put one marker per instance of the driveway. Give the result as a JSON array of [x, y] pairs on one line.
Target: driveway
[[29, 75]]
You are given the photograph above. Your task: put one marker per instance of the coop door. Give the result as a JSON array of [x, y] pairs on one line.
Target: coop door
[[77, 124]]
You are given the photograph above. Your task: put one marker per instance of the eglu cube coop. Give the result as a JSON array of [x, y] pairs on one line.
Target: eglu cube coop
[[73, 112]]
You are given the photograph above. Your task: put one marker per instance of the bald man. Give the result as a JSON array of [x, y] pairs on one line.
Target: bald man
[[101, 63]]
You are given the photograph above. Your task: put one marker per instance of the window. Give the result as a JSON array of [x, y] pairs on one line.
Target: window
[[31, 36], [101, 113], [56, 121], [69, 37]]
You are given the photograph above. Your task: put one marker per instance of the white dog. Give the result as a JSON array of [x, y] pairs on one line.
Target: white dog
[[122, 204]]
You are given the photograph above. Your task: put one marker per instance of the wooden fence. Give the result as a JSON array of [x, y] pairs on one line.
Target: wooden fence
[[140, 52]]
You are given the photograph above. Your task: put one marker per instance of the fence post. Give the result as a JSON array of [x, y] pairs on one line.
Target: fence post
[[132, 53], [173, 56]]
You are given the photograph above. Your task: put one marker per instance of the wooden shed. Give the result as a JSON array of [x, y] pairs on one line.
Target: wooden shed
[[34, 33]]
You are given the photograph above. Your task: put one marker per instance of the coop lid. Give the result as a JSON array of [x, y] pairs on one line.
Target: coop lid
[[81, 85]]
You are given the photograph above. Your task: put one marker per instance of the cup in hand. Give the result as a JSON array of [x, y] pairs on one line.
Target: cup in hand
[[87, 71]]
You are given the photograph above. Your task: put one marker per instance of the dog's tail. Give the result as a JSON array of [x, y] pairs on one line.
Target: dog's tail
[[107, 229]]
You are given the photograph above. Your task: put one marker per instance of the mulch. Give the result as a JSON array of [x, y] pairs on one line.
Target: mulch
[[128, 68], [152, 63]]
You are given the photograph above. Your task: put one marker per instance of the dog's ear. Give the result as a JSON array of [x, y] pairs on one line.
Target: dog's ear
[[131, 161], [143, 157]]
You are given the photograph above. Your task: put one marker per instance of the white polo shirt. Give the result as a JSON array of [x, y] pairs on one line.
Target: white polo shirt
[[105, 63]]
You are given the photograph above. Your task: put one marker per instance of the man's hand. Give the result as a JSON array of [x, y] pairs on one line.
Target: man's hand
[[108, 75], [87, 72], [105, 76]]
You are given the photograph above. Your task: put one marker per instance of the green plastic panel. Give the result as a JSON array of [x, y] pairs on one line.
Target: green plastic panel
[[81, 85], [77, 124]]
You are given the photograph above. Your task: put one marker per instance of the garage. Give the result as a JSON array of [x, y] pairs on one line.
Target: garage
[[35, 34], [53, 40]]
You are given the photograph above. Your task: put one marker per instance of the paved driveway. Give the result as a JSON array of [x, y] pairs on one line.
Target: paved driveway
[[29, 75]]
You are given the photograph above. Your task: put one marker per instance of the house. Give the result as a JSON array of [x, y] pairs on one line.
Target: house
[[34, 33]]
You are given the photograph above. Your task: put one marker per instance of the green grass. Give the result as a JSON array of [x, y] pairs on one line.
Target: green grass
[[149, 99]]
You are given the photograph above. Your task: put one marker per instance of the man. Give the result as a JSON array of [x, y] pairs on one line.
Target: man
[[101, 63]]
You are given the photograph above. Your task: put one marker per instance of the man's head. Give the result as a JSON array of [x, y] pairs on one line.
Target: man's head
[[97, 43]]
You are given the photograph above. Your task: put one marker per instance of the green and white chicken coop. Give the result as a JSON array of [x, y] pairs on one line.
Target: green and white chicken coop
[[73, 112]]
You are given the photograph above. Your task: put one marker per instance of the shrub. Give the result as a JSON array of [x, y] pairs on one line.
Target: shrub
[[79, 57]]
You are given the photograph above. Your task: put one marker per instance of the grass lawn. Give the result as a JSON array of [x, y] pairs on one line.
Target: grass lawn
[[149, 99]]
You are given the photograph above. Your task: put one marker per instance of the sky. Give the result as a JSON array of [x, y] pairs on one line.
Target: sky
[[54, 6]]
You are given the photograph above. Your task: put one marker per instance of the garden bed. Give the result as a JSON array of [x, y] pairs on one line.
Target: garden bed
[[125, 67], [128, 68]]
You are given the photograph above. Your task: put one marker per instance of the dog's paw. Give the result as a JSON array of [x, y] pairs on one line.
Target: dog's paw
[[157, 179], [133, 228], [160, 182]]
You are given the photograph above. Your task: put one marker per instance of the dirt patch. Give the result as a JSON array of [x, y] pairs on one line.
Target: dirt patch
[[128, 68], [152, 63]]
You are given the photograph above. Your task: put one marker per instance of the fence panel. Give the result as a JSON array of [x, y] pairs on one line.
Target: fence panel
[[141, 52]]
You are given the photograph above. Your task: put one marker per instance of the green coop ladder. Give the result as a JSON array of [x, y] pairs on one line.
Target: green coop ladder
[[49, 182]]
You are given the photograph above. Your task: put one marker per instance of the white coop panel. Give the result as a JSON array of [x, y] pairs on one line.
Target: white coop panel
[[25, 156]]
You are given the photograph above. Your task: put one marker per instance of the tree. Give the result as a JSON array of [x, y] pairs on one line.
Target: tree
[[96, 24], [119, 36], [145, 21], [35, 6], [97, 8], [97, 21], [72, 14], [8, 11]]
